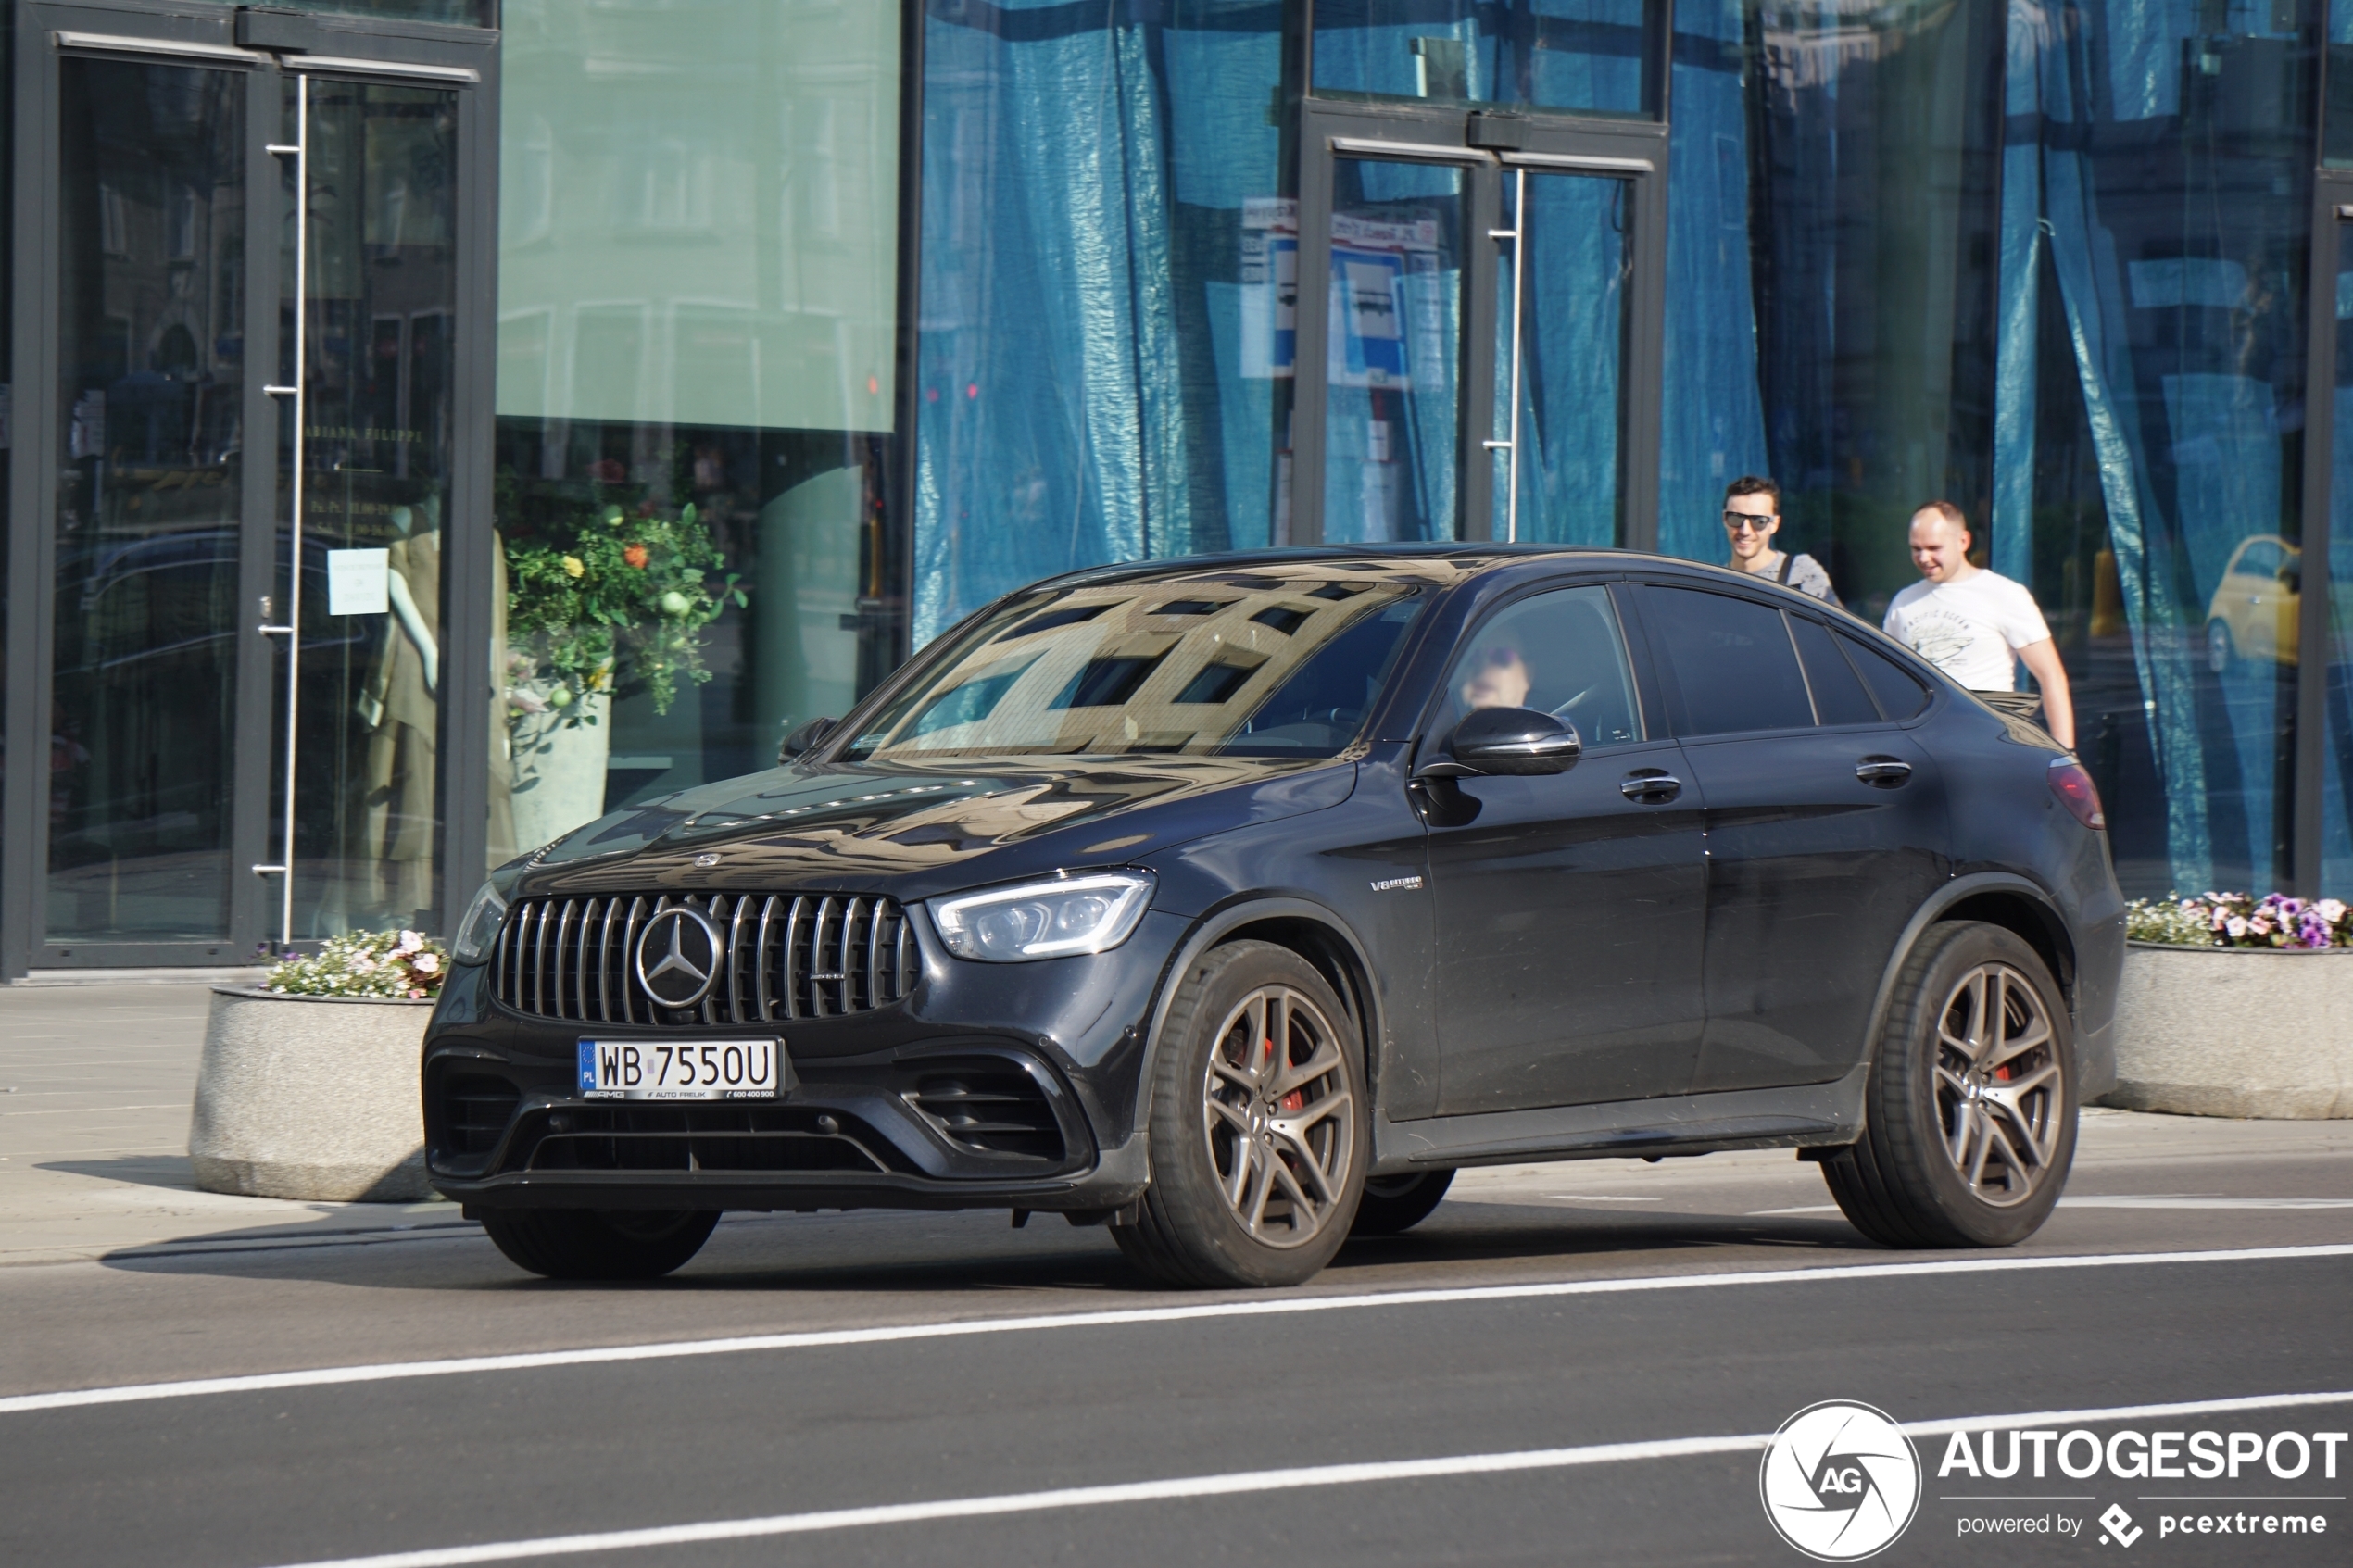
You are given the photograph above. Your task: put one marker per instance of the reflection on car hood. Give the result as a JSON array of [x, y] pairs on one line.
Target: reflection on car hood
[[917, 831]]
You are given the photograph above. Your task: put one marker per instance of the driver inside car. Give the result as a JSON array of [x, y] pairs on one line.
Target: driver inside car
[[1558, 653], [1498, 679]]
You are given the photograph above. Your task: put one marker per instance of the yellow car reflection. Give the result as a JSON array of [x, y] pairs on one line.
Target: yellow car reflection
[[2254, 611]]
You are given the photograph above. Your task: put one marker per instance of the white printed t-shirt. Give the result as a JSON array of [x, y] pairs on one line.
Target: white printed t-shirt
[[1972, 630]]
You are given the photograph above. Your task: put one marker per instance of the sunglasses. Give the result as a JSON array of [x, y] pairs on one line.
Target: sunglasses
[[1503, 658], [1743, 523]]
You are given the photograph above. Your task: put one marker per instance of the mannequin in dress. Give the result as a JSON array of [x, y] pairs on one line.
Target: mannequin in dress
[[402, 706]]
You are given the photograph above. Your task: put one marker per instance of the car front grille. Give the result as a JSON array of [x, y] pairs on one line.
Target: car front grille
[[783, 956], [991, 1107]]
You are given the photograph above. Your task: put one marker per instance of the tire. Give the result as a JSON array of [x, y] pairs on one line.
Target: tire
[[2222, 652], [1393, 1205], [599, 1243], [1966, 1138], [1257, 1160]]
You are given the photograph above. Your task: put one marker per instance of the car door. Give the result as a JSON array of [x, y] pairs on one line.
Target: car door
[[1569, 907], [1826, 826]]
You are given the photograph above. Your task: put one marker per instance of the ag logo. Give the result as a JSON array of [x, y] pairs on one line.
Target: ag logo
[[1840, 1481], [677, 957]]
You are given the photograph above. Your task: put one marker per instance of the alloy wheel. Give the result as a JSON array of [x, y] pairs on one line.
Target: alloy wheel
[[1279, 1116], [1999, 1093]]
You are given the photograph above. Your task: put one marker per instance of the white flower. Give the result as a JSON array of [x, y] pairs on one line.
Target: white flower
[[425, 963], [2236, 926], [2331, 911]]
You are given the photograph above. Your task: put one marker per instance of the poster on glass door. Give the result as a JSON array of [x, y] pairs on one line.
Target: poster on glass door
[[1388, 312], [1270, 287]]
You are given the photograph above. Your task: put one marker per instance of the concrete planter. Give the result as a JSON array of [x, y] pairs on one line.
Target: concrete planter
[[2235, 1032], [310, 1097]]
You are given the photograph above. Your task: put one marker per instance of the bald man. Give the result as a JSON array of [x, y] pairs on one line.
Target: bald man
[[1976, 625]]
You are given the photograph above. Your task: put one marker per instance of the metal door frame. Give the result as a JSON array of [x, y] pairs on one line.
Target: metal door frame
[[2331, 215], [267, 46], [1484, 141]]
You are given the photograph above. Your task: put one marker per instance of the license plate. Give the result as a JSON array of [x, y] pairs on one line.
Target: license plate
[[683, 1069]]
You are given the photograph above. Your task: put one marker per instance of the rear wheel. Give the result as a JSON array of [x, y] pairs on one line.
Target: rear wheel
[[599, 1243], [1970, 1122], [1257, 1125], [1395, 1204]]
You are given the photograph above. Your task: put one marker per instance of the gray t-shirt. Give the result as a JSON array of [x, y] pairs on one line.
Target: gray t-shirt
[[1805, 574]]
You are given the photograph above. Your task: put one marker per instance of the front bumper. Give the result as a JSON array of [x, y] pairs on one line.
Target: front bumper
[[992, 1087]]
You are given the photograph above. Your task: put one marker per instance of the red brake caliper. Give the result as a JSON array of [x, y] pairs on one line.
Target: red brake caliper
[[1297, 1098]]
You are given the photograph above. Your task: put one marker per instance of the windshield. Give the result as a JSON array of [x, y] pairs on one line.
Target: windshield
[[1277, 663]]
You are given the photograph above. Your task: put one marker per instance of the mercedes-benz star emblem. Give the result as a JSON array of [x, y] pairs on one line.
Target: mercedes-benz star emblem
[[677, 957]]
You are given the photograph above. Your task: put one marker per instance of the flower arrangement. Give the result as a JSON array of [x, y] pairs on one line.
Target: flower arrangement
[[2240, 920], [404, 966], [598, 592]]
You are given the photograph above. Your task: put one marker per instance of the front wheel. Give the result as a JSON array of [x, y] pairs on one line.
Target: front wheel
[[1257, 1123], [1970, 1116], [600, 1244]]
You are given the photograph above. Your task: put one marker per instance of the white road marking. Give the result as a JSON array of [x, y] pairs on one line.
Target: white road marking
[[2154, 1200], [318, 1377], [1597, 1197], [1242, 1482]]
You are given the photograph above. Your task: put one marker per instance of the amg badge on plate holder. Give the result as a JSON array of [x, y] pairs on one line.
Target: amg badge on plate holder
[[684, 1069]]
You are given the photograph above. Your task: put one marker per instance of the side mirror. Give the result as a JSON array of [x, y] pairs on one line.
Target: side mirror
[[803, 737], [1507, 740]]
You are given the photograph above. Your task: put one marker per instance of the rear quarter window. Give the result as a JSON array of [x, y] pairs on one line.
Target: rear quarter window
[[1901, 694]]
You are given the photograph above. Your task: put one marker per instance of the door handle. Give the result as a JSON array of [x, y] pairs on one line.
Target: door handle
[[1651, 786], [1884, 771]]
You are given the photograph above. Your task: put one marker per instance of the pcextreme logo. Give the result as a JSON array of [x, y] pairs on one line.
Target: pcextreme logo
[[1840, 1481]]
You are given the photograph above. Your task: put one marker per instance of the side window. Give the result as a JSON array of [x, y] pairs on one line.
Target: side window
[[1560, 652], [1733, 662], [1899, 691], [1839, 697]]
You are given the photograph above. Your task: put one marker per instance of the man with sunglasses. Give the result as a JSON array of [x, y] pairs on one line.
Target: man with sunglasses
[[1752, 516]]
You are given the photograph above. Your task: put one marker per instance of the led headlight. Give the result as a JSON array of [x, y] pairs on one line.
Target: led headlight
[[1044, 920], [480, 928]]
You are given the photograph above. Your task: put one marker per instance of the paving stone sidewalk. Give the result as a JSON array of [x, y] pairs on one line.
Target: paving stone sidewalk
[[96, 1086]]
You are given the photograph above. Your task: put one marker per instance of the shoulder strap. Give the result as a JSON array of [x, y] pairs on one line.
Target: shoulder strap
[[1789, 558]]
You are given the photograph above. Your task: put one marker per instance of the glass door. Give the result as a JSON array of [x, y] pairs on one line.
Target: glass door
[[147, 584], [1394, 346], [367, 363], [241, 287], [1491, 295], [1562, 320]]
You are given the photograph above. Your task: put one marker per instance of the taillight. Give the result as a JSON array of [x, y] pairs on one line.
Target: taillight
[[2077, 791]]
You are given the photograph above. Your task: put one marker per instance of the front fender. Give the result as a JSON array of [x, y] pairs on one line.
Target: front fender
[[1221, 922]]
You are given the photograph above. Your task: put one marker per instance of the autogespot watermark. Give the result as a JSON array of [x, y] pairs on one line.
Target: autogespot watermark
[[2019, 1455], [1840, 1481]]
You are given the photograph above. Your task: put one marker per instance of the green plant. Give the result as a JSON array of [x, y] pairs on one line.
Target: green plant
[[365, 963], [601, 595]]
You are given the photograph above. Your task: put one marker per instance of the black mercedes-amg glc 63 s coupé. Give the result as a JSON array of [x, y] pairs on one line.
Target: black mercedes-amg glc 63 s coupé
[[1235, 903]]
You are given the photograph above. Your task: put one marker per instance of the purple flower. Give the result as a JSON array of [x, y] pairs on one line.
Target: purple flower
[[2311, 930]]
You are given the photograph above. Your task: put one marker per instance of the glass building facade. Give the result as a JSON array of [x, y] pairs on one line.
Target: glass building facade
[[432, 423]]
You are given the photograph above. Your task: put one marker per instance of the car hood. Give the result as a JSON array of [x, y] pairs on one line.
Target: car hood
[[914, 831]]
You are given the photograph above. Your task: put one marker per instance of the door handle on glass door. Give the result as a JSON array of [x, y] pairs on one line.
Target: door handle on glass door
[[1651, 786], [1884, 771]]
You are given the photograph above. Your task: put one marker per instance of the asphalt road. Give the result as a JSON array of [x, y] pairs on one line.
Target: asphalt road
[[938, 1372]]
